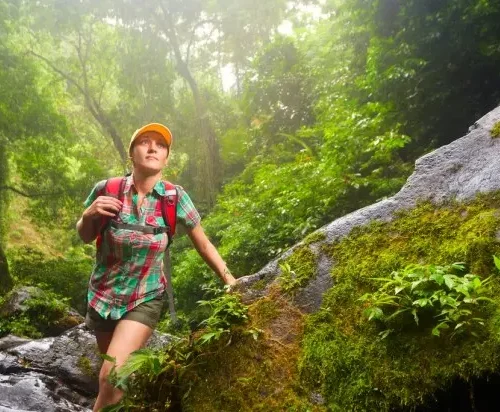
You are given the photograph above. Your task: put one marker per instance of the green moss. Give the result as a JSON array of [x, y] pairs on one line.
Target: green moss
[[495, 130], [85, 365], [253, 374], [259, 285], [343, 355], [264, 311], [314, 237], [298, 269]]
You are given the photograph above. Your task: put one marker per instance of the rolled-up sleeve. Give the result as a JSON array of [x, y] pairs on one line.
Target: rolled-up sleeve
[[187, 215]]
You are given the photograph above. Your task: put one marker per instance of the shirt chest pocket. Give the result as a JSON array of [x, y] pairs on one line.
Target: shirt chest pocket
[[154, 236], [130, 239]]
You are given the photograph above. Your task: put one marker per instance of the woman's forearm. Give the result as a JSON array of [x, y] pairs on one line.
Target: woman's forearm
[[213, 259], [210, 255], [87, 228]]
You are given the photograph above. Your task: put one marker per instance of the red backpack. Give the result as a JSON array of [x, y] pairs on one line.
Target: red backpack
[[114, 187]]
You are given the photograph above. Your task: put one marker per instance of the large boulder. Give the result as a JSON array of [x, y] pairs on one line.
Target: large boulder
[[460, 170], [53, 374]]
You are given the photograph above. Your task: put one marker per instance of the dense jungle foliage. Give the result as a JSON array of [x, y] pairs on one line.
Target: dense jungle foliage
[[285, 115]]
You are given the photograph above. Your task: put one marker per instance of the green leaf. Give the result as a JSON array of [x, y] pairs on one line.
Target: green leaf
[[448, 280], [416, 283], [385, 333], [415, 316], [476, 283], [398, 289], [207, 337], [484, 299], [438, 278], [436, 331], [374, 313], [397, 313], [422, 302], [497, 262], [107, 357]]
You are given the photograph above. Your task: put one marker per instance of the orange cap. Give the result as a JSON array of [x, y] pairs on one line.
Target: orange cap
[[152, 127]]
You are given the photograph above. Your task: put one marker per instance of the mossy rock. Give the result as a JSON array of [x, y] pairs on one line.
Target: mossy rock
[[32, 312], [344, 356], [298, 269], [314, 237], [87, 367], [254, 374]]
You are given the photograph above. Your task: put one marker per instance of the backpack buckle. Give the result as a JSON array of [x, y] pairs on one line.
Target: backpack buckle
[[158, 230]]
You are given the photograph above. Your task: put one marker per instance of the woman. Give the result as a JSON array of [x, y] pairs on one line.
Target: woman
[[127, 284]]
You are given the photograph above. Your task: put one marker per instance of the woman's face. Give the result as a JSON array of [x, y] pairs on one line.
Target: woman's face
[[149, 152]]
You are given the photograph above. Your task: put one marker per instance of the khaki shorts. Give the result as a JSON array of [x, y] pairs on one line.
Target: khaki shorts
[[147, 313]]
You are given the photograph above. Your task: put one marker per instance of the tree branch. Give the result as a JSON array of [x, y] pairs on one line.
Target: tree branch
[[90, 102], [191, 40], [58, 71]]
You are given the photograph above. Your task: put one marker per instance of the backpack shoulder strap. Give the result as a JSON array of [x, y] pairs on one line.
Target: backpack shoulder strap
[[113, 187], [169, 208]]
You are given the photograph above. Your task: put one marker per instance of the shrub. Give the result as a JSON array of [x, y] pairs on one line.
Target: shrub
[[46, 314], [67, 276], [439, 297]]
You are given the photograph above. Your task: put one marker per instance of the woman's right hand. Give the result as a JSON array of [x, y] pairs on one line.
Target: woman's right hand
[[102, 206], [89, 224]]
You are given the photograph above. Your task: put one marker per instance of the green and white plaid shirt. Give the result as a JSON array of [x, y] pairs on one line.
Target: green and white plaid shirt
[[128, 269]]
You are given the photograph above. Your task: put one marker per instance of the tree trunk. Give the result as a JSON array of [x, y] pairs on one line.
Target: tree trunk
[[5, 279], [209, 165]]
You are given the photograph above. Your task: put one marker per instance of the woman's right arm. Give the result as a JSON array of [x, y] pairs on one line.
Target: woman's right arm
[[89, 224]]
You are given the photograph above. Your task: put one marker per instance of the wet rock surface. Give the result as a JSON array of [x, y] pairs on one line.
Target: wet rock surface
[[53, 374]]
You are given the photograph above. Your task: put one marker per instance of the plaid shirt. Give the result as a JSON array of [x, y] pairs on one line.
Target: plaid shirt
[[128, 269]]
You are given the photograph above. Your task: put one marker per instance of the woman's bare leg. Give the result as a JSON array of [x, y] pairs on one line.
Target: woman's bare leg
[[127, 337]]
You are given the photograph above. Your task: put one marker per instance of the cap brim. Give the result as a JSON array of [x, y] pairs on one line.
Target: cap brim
[[155, 127]]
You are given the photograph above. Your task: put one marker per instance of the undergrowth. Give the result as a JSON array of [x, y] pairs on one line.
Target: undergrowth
[[43, 313], [243, 359]]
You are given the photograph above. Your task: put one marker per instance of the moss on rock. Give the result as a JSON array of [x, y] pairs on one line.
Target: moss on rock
[[253, 374], [495, 130], [85, 365], [343, 354], [298, 269], [314, 237], [32, 312]]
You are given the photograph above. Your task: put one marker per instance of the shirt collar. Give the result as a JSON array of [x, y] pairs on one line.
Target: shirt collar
[[159, 187]]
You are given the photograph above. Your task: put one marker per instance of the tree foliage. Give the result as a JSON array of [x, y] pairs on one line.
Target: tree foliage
[[320, 120]]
